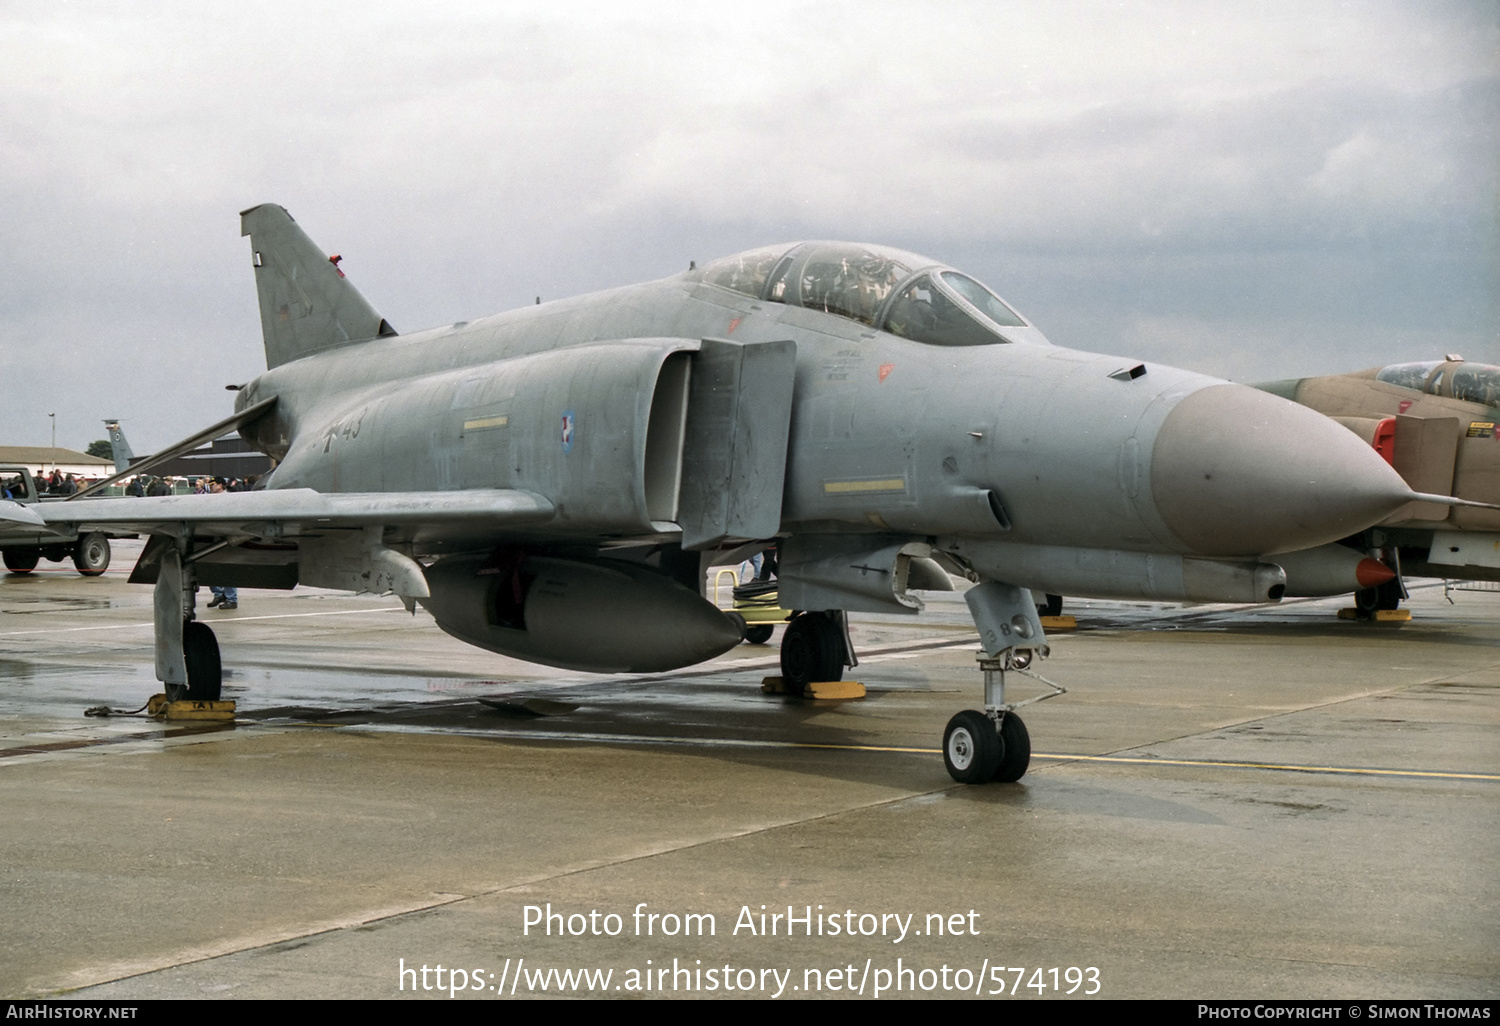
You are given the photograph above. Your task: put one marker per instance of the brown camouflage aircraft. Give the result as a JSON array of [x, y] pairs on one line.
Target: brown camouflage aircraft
[[1435, 422]]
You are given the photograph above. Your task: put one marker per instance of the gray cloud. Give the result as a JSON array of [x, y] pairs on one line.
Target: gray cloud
[[1267, 192]]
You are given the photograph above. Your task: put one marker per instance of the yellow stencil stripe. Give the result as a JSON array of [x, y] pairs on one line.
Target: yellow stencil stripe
[[890, 484], [485, 422]]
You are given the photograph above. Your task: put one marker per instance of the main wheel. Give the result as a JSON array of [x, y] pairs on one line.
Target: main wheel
[[971, 748], [1015, 750], [22, 561], [200, 650], [91, 555], [1052, 607], [759, 634], [1388, 595], [812, 650], [1366, 601]]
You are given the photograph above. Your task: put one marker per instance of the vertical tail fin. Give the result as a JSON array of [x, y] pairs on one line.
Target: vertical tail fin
[[306, 303], [120, 448]]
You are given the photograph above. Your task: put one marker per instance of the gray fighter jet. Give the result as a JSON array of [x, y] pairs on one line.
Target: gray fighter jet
[[551, 483]]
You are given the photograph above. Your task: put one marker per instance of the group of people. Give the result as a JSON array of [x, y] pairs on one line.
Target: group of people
[[145, 484], [56, 483]]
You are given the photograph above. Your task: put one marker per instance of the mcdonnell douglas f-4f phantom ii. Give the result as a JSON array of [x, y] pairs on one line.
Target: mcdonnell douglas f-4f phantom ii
[[551, 483], [1436, 422]]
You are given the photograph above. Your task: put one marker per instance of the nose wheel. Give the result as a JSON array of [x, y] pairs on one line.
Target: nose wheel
[[979, 748], [972, 748], [1015, 750], [994, 745]]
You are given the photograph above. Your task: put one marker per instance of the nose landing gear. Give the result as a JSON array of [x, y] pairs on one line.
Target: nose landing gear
[[994, 745]]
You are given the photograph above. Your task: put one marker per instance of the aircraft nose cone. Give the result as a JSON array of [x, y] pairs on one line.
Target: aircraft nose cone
[[1237, 472]]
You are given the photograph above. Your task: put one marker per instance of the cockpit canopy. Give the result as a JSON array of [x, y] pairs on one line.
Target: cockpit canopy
[[890, 289], [1453, 379]]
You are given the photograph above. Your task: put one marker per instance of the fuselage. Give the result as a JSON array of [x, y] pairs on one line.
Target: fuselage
[[1079, 451]]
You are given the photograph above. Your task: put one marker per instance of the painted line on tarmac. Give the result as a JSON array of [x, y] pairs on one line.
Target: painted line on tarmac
[[1282, 767], [708, 742]]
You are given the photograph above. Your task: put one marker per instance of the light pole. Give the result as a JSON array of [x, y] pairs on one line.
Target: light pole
[[53, 454]]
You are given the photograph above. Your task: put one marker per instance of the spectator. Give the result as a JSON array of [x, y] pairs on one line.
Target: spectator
[[224, 598]]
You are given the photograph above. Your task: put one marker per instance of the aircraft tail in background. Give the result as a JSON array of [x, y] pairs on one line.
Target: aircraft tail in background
[[121, 448]]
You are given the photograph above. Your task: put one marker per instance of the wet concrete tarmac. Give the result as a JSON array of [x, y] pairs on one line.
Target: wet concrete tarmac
[[1229, 803]]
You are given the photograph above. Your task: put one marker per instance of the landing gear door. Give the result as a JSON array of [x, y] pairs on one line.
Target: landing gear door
[[738, 425]]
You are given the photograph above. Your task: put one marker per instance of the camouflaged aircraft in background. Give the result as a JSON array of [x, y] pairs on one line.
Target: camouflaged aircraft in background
[[1435, 422], [552, 483]]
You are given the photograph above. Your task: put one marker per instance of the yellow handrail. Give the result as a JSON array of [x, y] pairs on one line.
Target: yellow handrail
[[734, 580]]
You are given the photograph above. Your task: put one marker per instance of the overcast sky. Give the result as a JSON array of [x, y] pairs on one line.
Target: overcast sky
[[1255, 190]]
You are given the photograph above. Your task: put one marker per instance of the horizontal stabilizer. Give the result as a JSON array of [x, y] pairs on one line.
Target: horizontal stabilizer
[[306, 303]]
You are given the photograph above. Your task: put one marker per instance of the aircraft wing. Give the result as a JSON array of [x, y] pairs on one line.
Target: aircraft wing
[[247, 512], [16, 513]]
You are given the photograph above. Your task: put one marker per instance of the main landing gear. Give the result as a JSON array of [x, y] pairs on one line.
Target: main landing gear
[[993, 745], [1369, 601], [815, 648], [187, 653]]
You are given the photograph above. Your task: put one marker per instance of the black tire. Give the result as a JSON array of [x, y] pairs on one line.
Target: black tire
[[971, 748], [812, 650], [1052, 607], [1015, 750], [91, 555], [1366, 601], [200, 650], [22, 561], [1388, 595], [759, 634]]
